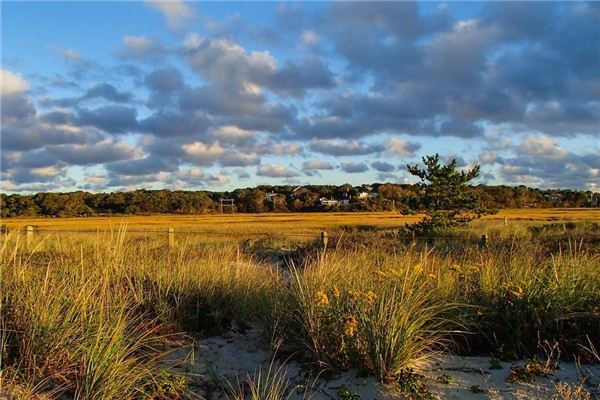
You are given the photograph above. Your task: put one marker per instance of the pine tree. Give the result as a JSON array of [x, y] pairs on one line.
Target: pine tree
[[445, 196]]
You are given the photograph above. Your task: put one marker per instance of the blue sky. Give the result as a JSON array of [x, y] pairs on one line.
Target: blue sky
[[105, 96]]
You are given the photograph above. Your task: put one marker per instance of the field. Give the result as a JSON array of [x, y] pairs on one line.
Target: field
[[118, 314], [290, 222]]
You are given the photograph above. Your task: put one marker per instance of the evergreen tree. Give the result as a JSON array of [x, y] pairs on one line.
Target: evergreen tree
[[445, 196]]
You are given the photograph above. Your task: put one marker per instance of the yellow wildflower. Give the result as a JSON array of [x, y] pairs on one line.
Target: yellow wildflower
[[336, 292], [353, 294], [382, 274], [350, 326], [370, 296], [516, 293], [321, 299]]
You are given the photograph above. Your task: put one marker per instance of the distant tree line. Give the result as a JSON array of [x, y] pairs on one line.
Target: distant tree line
[[402, 198]]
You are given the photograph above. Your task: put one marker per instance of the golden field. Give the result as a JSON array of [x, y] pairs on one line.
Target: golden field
[[289, 223]]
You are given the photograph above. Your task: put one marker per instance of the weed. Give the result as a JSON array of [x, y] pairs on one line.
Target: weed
[[495, 363], [444, 379], [528, 372], [412, 383], [476, 389], [346, 394]]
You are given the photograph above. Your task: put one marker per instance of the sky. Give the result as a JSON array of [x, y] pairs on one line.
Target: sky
[[107, 96]]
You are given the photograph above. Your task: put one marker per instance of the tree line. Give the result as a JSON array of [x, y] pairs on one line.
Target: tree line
[[401, 198]]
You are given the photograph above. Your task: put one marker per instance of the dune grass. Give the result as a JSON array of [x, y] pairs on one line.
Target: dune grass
[[91, 317]]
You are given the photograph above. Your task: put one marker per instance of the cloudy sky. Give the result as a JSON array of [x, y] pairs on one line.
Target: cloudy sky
[[123, 95]]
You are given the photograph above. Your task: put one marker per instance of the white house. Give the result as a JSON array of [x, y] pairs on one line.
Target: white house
[[328, 202]]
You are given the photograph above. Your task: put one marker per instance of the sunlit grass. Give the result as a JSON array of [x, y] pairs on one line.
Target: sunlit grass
[[91, 316]]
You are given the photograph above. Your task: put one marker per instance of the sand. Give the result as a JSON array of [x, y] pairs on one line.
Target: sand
[[217, 363]]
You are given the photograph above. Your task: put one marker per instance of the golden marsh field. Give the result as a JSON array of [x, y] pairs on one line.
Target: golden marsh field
[[291, 222]]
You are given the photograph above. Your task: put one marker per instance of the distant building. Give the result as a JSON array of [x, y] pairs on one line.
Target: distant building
[[366, 195], [554, 196], [328, 202]]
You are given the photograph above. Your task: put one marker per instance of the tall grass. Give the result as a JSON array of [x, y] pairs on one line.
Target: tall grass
[[376, 313], [92, 317], [91, 320]]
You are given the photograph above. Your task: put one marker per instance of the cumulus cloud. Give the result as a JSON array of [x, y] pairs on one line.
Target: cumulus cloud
[[110, 118], [401, 147], [204, 154], [354, 167], [275, 171], [227, 64], [12, 83], [141, 47], [339, 147], [106, 91], [541, 161], [105, 151], [165, 80], [383, 166], [365, 82], [176, 12], [316, 165]]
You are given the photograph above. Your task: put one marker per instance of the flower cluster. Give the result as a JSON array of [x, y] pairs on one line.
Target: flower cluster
[[350, 326], [321, 299]]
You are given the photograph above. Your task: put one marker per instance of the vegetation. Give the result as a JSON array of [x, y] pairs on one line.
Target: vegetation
[[92, 318], [446, 199], [402, 198]]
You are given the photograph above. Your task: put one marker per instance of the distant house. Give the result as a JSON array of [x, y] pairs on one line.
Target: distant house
[[366, 195], [328, 202], [554, 196]]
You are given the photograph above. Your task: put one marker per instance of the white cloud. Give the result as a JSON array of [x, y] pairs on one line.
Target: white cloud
[[96, 179], [316, 164], [12, 83], [202, 153], [286, 149], [231, 133], [543, 147], [139, 44], [310, 38], [275, 171], [176, 12], [400, 147]]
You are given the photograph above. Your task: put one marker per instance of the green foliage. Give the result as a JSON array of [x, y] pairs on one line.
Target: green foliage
[[446, 199], [346, 394], [528, 372], [413, 384], [476, 389], [405, 199], [444, 379]]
